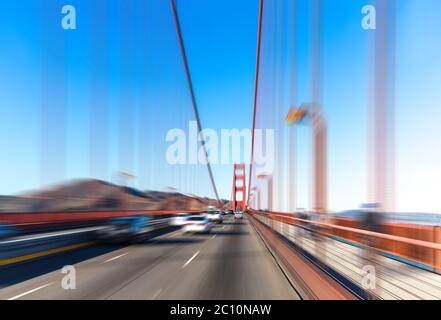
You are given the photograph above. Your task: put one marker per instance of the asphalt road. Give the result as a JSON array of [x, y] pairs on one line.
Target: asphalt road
[[231, 263]]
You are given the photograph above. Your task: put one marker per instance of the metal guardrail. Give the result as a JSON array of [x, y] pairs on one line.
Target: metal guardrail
[[420, 243], [310, 281], [22, 249], [390, 244], [67, 216], [25, 248], [325, 227], [396, 279], [46, 221]]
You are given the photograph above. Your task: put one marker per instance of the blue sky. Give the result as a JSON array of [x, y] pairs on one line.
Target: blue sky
[[124, 61]]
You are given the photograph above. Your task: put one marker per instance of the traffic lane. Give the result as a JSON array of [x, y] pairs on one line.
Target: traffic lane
[[18, 273], [100, 277], [117, 275], [250, 269], [163, 276], [231, 264], [237, 266]]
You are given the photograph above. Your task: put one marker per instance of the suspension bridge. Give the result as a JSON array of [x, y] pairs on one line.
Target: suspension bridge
[[276, 251]]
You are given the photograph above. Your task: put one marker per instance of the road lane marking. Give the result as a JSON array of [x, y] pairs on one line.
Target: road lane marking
[[117, 257], [43, 253], [30, 291], [48, 235], [156, 294], [191, 259], [213, 236]]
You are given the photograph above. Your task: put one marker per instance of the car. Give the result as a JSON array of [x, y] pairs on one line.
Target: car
[[126, 229], [229, 212], [7, 231], [238, 215], [215, 216], [197, 224], [180, 219]]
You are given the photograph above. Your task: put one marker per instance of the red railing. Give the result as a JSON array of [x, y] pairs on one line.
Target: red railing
[[416, 243], [77, 216]]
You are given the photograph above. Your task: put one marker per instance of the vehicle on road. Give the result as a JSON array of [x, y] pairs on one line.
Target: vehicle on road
[[238, 215], [215, 216], [197, 224], [7, 231], [126, 229], [229, 212], [181, 219]]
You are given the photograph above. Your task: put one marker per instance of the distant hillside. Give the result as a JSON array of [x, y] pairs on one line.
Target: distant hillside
[[93, 194]]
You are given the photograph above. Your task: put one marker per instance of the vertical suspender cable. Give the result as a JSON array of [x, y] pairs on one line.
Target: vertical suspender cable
[[193, 99], [256, 92]]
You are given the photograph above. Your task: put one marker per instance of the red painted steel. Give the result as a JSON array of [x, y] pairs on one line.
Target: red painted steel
[[239, 177], [79, 216], [413, 242]]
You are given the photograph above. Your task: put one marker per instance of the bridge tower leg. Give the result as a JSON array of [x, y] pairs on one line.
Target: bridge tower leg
[[239, 187]]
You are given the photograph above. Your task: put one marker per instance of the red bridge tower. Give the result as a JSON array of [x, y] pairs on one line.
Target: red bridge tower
[[239, 200]]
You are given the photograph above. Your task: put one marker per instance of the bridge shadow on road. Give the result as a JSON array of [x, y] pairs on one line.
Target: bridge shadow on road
[[10, 275], [235, 222], [176, 241], [231, 233]]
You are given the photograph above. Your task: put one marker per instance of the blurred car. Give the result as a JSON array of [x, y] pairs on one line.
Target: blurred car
[[215, 216], [124, 229], [7, 231], [197, 224], [238, 215], [229, 212], [181, 219]]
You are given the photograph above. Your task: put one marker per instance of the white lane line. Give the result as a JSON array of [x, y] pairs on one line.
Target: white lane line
[[30, 291], [213, 236], [190, 260], [223, 227], [117, 257], [49, 235], [156, 294]]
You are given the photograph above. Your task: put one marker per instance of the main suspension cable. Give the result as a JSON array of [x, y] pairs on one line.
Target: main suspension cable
[[256, 93], [193, 99]]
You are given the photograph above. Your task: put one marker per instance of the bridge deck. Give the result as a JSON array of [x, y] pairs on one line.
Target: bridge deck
[[230, 263]]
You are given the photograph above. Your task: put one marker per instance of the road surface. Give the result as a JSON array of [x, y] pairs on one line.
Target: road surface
[[231, 263]]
